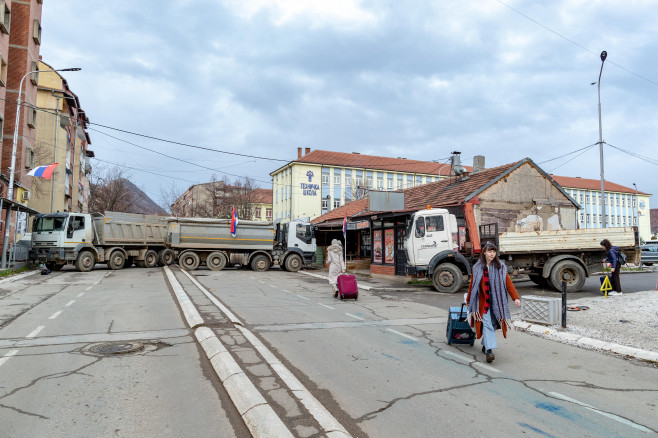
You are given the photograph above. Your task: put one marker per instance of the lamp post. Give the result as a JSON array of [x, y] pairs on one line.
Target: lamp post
[[10, 189], [604, 217]]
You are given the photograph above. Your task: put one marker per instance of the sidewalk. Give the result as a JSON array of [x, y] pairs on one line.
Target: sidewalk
[[624, 325]]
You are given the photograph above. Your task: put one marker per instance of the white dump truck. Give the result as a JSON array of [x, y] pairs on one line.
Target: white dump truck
[[433, 248], [258, 244], [82, 240]]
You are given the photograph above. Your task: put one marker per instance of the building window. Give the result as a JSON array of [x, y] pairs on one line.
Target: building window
[[359, 181], [257, 213], [389, 185], [31, 117], [400, 184], [325, 204], [5, 18], [369, 182], [348, 182], [380, 183], [623, 202], [581, 217], [325, 178], [268, 214], [29, 159], [36, 32], [336, 203], [337, 180], [580, 197], [587, 198], [634, 221]]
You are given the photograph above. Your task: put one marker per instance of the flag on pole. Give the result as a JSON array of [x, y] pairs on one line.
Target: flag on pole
[[234, 222], [43, 171], [345, 224]]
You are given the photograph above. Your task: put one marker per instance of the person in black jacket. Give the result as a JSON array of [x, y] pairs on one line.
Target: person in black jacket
[[612, 257]]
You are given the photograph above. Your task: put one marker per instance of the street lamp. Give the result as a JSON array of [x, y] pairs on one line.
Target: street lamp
[[604, 55], [10, 190]]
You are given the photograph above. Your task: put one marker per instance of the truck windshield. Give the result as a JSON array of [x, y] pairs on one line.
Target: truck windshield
[[304, 233], [49, 223]]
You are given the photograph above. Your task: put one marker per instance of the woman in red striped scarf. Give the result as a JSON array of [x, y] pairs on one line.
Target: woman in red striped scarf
[[487, 298]]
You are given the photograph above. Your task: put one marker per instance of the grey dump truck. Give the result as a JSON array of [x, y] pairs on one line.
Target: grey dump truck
[[82, 240], [257, 244]]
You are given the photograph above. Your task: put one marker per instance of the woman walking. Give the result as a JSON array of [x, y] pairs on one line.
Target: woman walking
[[612, 257], [336, 263], [487, 298]]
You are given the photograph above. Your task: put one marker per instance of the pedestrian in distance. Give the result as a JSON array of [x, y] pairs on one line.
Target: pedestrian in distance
[[336, 262], [612, 256], [487, 298]]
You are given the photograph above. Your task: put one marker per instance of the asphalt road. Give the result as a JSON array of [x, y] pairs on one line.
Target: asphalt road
[[380, 365]]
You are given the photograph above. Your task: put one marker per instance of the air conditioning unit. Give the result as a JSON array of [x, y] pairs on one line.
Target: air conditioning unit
[[25, 196], [541, 310]]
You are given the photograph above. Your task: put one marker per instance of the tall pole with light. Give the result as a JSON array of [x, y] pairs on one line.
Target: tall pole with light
[[12, 168], [604, 217]]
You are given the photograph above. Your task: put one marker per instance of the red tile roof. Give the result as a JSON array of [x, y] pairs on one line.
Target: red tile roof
[[592, 184], [261, 196], [345, 159], [353, 209]]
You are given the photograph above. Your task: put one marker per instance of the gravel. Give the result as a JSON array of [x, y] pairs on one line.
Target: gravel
[[628, 319]]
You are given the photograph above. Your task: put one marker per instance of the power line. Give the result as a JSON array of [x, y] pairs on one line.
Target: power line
[[636, 155], [573, 158], [569, 153]]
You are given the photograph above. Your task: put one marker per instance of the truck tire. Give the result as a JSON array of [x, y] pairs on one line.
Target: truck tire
[[189, 260], [166, 257], [447, 278], [85, 261], [216, 261], [293, 263], [570, 272], [151, 259], [54, 266], [116, 260], [260, 263], [539, 280]]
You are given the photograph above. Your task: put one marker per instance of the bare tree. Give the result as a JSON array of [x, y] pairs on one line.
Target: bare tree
[[109, 189], [168, 197]]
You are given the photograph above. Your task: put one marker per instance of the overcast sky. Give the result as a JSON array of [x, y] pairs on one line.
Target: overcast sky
[[506, 79]]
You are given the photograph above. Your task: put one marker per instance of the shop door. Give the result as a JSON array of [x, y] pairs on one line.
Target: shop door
[[400, 253]]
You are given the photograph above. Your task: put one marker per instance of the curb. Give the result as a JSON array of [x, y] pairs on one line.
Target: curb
[[15, 277], [258, 416], [585, 342]]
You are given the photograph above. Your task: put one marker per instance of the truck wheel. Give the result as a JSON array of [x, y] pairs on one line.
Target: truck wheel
[[54, 266], [165, 257], [570, 272], [189, 261], [539, 280], [293, 263], [216, 261], [447, 278], [151, 259], [85, 261], [260, 263], [116, 261]]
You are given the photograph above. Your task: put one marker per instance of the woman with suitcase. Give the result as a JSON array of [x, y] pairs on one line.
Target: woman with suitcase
[[487, 298], [336, 262]]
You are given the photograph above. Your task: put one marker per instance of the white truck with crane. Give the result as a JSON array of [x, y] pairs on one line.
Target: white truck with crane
[[433, 248]]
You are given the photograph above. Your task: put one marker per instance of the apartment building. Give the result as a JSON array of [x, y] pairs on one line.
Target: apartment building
[[320, 181], [624, 206], [217, 199], [61, 137]]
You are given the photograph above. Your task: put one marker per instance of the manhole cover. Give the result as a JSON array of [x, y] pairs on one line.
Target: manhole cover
[[110, 348]]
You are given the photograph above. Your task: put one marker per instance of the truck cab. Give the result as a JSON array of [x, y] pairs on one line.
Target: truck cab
[[58, 237], [431, 246], [298, 237]]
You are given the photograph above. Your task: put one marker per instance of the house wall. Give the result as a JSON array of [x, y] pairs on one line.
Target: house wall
[[525, 200]]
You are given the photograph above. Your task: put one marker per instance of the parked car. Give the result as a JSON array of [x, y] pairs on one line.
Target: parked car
[[649, 254]]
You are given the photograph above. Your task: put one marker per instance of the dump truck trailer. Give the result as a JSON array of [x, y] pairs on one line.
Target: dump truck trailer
[[82, 240], [433, 248], [259, 244]]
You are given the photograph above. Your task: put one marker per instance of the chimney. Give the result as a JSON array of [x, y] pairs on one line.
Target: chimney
[[299, 153], [478, 163], [306, 151]]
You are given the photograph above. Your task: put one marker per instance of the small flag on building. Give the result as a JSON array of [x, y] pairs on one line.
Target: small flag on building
[[345, 224], [234, 222], [43, 171]]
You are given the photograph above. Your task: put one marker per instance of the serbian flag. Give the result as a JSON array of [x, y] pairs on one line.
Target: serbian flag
[[345, 225], [234, 222], [43, 171]]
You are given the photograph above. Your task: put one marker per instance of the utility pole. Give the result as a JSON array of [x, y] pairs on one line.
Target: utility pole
[[604, 217], [52, 194]]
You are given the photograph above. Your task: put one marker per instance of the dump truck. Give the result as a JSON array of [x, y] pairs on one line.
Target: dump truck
[[82, 240], [258, 244], [437, 248]]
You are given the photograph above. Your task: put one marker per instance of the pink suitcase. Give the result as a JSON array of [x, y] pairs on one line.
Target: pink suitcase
[[347, 287]]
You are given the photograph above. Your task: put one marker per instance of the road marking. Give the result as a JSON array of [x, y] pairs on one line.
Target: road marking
[[80, 294], [274, 286], [286, 291], [328, 307], [401, 334], [261, 281], [89, 288], [304, 298], [55, 315], [605, 414], [470, 359], [349, 324], [36, 331], [486, 367], [93, 338], [356, 317], [69, 303], [6, 357]]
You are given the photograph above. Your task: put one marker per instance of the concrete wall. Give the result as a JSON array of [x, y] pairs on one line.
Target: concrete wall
[[525, 201]]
